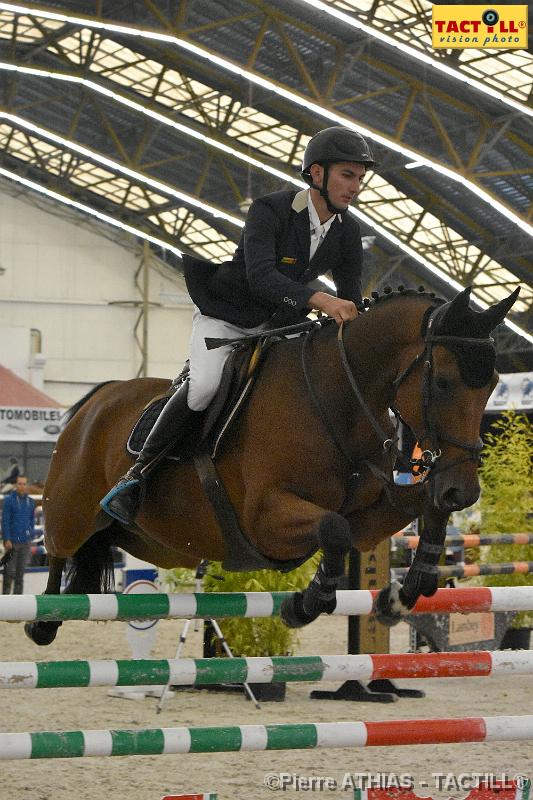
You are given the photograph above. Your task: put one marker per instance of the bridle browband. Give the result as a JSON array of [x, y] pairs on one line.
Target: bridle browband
[[427, 463]]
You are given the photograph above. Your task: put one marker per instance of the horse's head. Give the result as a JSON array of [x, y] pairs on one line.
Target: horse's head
[[454, 377]]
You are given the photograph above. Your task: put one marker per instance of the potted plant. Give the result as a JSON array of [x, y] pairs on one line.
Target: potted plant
[[506, 477]]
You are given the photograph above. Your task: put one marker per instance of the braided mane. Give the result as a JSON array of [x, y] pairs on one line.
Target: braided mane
[[389, 293], [476, 361]]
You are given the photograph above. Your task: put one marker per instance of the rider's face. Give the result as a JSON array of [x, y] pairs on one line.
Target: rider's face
[[344, 182]]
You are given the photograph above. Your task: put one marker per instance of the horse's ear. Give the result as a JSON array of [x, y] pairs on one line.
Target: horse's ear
[[497, 313], [456, 308]]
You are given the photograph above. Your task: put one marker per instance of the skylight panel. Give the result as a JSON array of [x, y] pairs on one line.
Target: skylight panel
[[26, 30], [195, 233], [410, 21]]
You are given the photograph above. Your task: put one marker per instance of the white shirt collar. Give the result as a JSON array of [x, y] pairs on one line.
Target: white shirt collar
[[314, 220]]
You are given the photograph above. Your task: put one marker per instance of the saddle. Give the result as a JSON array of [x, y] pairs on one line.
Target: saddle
[[211, 429]]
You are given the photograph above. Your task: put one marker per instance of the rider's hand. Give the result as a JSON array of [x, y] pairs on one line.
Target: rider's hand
[[340, 310]]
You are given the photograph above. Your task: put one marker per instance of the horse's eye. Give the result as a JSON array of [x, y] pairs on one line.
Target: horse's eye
[[441, 383]]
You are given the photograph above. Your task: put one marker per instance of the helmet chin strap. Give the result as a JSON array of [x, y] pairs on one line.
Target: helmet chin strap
[[324, 192]]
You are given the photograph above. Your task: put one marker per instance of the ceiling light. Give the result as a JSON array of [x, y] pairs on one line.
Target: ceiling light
[[293, 97]]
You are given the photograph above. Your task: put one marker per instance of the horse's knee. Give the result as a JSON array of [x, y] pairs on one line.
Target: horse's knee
[[334, 533], [334, 537]]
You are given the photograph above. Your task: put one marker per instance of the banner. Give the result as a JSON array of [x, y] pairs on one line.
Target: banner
[[25, 424], [515, 390]]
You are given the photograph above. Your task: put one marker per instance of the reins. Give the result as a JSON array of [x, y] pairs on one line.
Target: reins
[[427, 463]]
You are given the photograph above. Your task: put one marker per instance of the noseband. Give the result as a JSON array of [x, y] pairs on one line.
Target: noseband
[[426, 466]]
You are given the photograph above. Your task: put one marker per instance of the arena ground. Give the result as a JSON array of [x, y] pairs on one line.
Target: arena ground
[[237, 776]]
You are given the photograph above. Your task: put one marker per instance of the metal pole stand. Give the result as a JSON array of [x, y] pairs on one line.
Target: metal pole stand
[[376, 691], [200, 572]]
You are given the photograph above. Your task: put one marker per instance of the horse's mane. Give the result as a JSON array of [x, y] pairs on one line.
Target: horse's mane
[[69, 413], [476, 360], [370, 303]]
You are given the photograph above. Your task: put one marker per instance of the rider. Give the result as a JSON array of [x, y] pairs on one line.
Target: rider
[[288, 240]]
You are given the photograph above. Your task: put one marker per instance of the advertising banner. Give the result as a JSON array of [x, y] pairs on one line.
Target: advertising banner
[[514, 390], [26, 424]]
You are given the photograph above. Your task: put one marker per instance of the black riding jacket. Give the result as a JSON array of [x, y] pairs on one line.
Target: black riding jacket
[[269, 275]]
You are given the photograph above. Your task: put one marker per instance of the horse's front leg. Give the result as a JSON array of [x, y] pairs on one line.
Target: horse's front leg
[[301, 608], [397, 600], [423, 575], [391, 512], [286, 526]]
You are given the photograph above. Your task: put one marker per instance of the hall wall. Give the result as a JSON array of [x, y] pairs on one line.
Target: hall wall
[[66, 304]]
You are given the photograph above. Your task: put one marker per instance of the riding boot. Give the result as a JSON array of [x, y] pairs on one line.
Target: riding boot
[[123, 500]]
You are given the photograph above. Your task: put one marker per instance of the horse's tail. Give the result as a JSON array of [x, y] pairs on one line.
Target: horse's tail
[[90, 571], [67, 416]]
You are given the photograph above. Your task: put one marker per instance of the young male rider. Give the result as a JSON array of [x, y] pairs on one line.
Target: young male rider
[[288, 240]]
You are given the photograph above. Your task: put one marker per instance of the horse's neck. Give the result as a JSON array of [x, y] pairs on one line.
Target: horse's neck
[[381, 342]]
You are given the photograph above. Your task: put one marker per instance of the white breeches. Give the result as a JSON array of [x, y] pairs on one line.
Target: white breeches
[[206, 366]]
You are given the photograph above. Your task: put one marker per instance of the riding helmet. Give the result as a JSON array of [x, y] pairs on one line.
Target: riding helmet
[[336, 144]]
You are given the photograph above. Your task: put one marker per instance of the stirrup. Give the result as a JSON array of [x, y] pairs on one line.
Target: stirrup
[[119, 488]]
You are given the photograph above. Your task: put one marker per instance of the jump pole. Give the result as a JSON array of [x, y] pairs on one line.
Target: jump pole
[[410, 541], [208, 671], [19, 608], [463, 570], [168, 741]]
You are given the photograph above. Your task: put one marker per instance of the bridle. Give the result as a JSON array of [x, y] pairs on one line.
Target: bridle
[[426, 466], [430, 434]]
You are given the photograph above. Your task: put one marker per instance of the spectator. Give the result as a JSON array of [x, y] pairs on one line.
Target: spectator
[[17, 533]]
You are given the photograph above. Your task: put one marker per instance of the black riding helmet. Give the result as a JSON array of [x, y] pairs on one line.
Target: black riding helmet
[[332, 145]]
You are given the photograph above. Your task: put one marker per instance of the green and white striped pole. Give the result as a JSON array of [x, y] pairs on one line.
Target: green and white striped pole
[[304, 736], [205, 671], [355, 602]]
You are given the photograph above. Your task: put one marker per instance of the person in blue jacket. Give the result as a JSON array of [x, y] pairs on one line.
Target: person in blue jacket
[[289, 239], [18, 516]]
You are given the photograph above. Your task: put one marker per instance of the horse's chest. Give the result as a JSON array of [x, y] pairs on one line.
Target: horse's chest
[[366, 490]]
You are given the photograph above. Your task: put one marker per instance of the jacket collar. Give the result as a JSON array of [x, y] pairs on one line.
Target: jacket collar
[[299, 202], [301, 223], [303, 230]]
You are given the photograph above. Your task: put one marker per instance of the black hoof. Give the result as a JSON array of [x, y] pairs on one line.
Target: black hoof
[[41, 633], [301, 608], [292, 612], [389, 608]]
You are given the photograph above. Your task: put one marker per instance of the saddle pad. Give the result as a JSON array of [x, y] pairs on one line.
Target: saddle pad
[[144, 425]]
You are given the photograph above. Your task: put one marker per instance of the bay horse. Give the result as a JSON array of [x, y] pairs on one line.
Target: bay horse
[[310, 463]]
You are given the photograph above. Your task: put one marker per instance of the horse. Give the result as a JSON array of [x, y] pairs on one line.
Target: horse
[[310, 463]]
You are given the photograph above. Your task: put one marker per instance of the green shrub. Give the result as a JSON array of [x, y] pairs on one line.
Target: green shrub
[[266, 636], [177, 579], [506, 478]]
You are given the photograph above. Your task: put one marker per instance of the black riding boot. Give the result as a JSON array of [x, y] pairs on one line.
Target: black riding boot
[[123, 500]]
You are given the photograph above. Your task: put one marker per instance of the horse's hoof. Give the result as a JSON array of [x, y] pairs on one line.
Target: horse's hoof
[[388, 606], [292, 612], [41, 633]]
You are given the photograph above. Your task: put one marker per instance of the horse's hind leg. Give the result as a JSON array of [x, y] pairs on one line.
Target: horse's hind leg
[[43, 633]]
